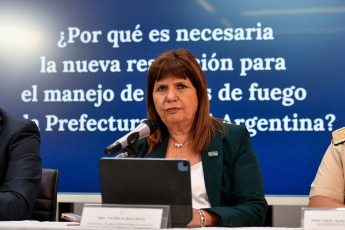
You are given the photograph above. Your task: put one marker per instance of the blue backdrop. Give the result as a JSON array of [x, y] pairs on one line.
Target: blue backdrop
[[78, 69]]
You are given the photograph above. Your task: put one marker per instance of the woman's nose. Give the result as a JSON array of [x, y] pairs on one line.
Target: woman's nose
[[172, 95]]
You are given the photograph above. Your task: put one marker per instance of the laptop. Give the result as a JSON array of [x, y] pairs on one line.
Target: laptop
[[148, 181]]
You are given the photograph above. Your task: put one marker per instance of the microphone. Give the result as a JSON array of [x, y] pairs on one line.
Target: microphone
[[145, 129]]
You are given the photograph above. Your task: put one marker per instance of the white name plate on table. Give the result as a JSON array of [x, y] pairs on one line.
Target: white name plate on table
[[323, 218], [125, 216]]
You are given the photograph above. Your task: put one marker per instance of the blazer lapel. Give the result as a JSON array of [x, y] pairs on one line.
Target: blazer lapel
[[212, 161], [160, 151]]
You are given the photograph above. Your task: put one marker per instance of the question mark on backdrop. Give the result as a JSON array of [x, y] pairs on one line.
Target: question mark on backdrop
[[331, 118]]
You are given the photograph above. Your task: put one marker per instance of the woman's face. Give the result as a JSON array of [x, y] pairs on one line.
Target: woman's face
[[175, 100]]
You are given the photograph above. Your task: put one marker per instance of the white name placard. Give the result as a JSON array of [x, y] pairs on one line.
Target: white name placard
[[122, 216], [323, 219]]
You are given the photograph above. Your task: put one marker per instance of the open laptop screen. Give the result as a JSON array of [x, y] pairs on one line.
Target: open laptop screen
[[144, 181]]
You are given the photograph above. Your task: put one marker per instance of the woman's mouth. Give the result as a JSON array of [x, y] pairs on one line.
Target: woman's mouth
[[173, 110]]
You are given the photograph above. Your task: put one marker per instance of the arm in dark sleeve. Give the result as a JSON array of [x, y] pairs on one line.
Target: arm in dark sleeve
[[21, 184], [243, 200]]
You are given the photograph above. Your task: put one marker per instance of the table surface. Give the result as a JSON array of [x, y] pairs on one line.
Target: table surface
[[23, 225], [96, 198]]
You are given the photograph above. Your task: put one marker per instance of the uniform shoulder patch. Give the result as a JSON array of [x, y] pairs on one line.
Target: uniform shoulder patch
[[339, 136]]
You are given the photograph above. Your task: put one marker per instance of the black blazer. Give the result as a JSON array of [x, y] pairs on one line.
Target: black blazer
[[20, 167]]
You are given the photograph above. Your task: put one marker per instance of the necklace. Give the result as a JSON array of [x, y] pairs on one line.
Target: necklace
[[178, 145]]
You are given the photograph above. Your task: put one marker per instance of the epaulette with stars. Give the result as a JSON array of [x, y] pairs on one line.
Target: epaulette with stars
[[339, 136]]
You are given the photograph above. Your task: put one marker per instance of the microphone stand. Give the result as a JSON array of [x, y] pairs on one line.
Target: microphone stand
[[132, 149]]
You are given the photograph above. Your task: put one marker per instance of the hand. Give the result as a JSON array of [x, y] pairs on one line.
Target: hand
[[212, 219], [195, 222], [324, 202]]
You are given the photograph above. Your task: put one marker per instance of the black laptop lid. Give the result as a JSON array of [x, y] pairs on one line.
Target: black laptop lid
[[148, 181]]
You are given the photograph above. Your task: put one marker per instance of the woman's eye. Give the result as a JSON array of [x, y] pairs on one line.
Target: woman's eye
[[160, 88], [181, 86]]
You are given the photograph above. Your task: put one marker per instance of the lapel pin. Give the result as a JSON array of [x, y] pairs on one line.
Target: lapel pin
[[213, 154]]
